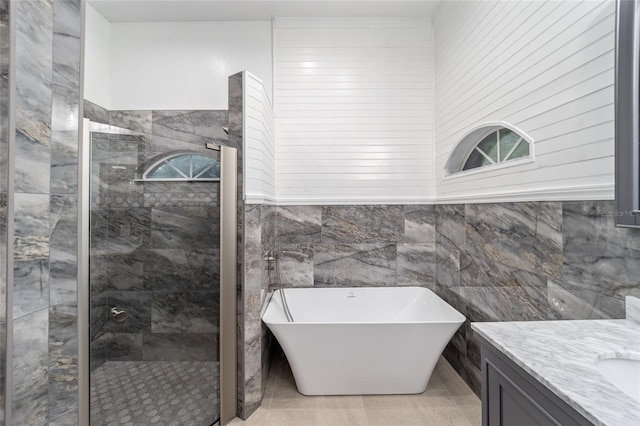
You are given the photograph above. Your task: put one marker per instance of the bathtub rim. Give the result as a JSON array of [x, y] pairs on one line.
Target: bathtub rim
[[460, 320]]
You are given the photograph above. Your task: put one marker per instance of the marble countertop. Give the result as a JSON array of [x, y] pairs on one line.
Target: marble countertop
[[561, 355]]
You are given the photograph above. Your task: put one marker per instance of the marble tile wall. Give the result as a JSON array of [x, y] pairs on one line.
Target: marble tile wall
[[47, 78], [251, 332], [4, 180], [531, 261], [154, 245], [364, 245], [492, 262]]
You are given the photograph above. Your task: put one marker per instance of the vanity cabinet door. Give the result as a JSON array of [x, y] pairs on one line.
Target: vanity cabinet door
[[512, 397], [511, 406]]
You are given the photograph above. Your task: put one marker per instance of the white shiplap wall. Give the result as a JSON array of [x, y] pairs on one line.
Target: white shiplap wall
[[354, 106], [259, 142], [546, 68]]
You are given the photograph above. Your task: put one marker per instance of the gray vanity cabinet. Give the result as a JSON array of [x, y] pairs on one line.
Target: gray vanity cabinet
[[512, 397]]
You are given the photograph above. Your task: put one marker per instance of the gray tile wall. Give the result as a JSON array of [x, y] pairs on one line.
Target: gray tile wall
[[492, 262], [381, 245], [4, 180], [531, 261], [44, 313]]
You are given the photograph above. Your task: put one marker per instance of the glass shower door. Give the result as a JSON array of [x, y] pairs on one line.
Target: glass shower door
[[154, 272]]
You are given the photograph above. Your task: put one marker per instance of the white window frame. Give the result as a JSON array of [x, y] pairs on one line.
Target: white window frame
[[469, 142]]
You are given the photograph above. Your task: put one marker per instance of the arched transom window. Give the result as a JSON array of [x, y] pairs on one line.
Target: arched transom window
[[184, 166], [488, 146], [497, 147]]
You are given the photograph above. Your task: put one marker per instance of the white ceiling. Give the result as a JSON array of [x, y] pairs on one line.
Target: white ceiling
[[253, 10]]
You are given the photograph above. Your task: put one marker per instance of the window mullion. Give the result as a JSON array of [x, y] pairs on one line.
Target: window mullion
[[513, 148], [176, 169], [485, 155], [204, 171]]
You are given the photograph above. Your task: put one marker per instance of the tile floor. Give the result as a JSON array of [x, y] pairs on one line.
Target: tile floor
[[448, 401], [169, 393]]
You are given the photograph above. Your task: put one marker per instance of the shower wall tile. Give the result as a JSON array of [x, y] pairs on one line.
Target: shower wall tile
[[63, 254], [95, 112], [184, 227], [31, 227], [30, 286], [362, 224], [63, 359], [33, 133], [99, 315], [47, 79], [347, 265], [121, 346], [67, 20], [298, 224], [34, 37], [63, 223], [124, 150], [180, 347], [139, 121], [66, 59], [64, 108], [166, 269], [30, 369], [186, 312], [125, 271], [158, 146], [196, 127], [70, 418], [64, 162], [181, 194], [204, 265], [130, 226]]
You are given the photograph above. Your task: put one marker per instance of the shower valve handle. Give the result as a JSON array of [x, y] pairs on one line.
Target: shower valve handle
[[118, 314]]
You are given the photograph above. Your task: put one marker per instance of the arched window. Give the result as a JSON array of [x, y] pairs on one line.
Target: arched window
[[184, 166], [488, 146]]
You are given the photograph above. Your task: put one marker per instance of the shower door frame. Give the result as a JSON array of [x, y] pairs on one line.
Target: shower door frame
[[227, 346]]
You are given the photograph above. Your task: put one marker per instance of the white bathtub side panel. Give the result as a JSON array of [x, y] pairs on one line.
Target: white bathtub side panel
[[358, 359]]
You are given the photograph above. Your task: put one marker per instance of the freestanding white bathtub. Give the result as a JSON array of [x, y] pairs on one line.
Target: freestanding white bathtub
[[357, 341]]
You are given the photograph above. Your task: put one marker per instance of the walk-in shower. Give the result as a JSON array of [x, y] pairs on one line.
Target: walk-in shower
[[159, 279]]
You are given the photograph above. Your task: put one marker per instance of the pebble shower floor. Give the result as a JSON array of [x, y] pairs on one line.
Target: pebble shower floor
[[155, 393]]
